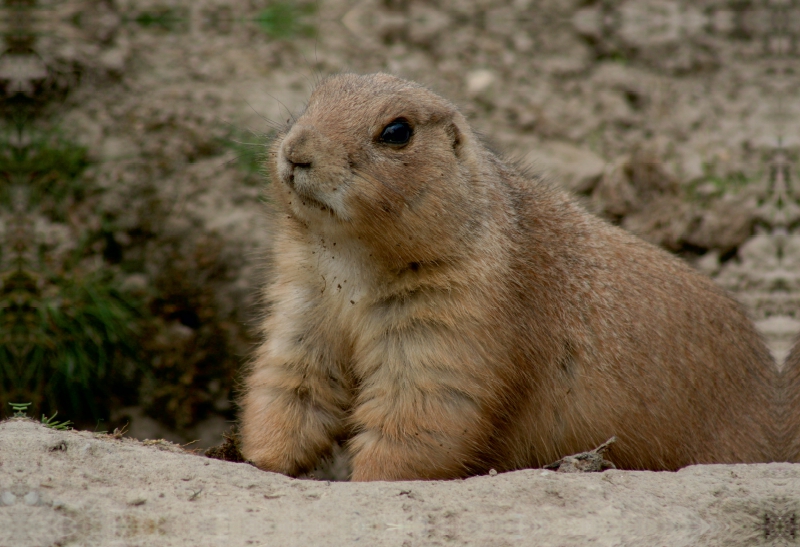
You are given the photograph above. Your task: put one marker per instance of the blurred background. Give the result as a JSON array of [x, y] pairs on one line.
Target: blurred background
[[133, 133]]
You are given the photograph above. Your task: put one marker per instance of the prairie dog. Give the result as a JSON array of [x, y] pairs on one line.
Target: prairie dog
[[445, 314], [788, 415]]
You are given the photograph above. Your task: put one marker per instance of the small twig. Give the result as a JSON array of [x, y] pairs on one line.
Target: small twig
[[119, 432], [585, 462]]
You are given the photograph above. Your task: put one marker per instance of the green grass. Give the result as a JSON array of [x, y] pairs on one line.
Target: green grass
[[44, 154], [46, 168], [165, 19], [64, 324], [282, 20], [731, 184], [71, 340], [21, 411], [60, 338], [53, 424], [250, 150]]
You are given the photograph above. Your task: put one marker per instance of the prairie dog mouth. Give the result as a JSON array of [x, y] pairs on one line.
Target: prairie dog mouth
[[311, 202]]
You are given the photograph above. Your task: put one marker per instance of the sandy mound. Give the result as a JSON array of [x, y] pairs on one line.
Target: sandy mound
[[80, 488]]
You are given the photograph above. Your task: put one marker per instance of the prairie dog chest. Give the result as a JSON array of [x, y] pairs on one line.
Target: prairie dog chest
[[339, 277]]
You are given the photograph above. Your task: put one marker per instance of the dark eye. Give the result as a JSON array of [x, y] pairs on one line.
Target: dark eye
[[397, 132]]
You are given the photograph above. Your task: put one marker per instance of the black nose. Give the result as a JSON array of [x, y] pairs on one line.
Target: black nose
[[295, 165], [296, 151]]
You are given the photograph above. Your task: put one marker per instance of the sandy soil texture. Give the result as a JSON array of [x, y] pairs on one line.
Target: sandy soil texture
[[79, 488]]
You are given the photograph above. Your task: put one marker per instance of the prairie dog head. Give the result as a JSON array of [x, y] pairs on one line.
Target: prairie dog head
[[384, 161]]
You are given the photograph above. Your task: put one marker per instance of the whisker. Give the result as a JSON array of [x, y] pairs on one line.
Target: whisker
[[227, 163], [311, 79], [277, 126], [247, 143]]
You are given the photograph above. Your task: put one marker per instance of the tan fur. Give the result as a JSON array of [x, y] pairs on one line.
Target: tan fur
[[788, 414], [448, 315]]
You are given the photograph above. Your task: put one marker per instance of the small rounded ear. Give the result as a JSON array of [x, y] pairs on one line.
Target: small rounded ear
[[456, 137]]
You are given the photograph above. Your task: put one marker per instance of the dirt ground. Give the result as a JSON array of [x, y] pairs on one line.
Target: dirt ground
[[672, 118], [80, 488]]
